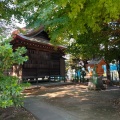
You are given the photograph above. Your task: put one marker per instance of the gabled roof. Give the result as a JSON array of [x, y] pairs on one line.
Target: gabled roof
[[95, 61], [35, 39], [38, 33], [35, 36], [35, 32]]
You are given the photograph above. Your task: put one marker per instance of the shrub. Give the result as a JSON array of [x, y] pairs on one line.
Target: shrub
[[10, 89]]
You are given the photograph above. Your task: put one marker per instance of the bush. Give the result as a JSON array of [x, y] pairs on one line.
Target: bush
[[10, 90]]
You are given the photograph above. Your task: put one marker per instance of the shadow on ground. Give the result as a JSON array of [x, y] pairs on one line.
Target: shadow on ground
[[76, 99]]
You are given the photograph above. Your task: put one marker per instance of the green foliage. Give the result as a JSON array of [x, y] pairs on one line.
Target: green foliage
[[8, 9], [97, 44], [86, 46], [83, 20], [8, 16], [8, 57], [10, 90], [69, 18]]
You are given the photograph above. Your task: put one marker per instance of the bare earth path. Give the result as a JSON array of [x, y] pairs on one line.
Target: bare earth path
[[75, 102]]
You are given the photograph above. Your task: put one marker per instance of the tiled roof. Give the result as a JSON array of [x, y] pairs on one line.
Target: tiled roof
[[37, 35], [35, 39]]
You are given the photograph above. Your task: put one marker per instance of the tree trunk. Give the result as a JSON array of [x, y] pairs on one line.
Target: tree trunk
[[109, 81], [108, 71]]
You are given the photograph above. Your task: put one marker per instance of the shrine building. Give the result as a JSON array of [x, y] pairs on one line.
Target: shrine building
[[45, 60], [98, 63]]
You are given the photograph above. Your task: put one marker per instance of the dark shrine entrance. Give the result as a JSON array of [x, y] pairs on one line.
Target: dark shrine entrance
[[45, 60]]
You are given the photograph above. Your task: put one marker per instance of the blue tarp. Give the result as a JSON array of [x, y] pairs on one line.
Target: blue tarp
[[104, 67], [113, 67]]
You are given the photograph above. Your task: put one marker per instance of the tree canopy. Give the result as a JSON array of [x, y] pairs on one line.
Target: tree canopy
[[104, 43], [8, 8], [83, 20], [69, 18], [63, 19]]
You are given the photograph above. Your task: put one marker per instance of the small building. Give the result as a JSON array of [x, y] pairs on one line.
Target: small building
[[45, 60], [98, 63]]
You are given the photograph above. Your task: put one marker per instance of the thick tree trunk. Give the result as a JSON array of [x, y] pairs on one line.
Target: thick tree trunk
[[108, 71], [109, 81]]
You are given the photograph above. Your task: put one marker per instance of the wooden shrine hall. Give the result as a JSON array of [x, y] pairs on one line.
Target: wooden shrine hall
[[45, 61]]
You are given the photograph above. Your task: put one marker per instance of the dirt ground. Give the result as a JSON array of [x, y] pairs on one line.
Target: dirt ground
[[86, 105], [76, 99], [13, 113]]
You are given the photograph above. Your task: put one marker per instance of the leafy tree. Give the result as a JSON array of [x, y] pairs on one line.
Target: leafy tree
[[69, 18], [65, 18], [8, 16], [10, 90], [104, 43], [8, 9]]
